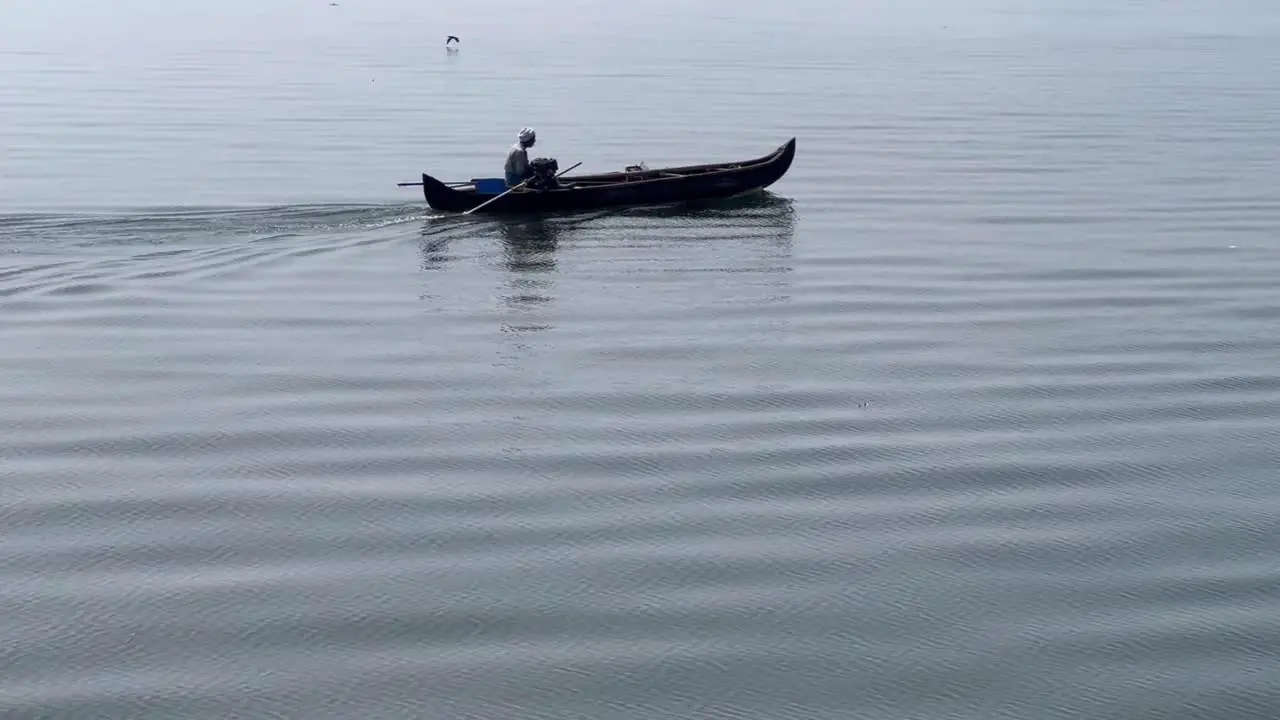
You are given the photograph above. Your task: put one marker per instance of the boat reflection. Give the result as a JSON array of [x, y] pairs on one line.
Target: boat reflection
[[529, 245], [750, 236], [530, 242], [772, 204], [760, 217]]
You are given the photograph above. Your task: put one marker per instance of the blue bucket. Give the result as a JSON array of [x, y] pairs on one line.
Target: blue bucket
[[490, 186]]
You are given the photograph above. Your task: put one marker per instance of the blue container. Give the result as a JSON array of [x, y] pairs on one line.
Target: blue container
[[490, 186]]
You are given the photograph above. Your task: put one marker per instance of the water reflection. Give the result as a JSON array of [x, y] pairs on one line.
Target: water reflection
[[750, 235], [768, 205], [530, 242], [528, 245], [755, 217], [528, 255]]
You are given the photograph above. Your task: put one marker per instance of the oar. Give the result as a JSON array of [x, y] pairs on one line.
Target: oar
[[513, 187]]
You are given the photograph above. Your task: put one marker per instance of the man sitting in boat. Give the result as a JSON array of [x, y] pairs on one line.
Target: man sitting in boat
[[518, 157]]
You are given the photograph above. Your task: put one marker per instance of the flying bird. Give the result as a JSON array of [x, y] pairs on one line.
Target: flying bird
[[454, 38]]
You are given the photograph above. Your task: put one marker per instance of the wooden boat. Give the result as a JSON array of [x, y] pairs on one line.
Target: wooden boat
[[620, 189]]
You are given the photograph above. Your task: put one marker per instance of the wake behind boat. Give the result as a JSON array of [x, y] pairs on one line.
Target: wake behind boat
[[635, 186]]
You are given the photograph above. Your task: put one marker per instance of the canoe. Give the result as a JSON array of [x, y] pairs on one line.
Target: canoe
[[661, 186]]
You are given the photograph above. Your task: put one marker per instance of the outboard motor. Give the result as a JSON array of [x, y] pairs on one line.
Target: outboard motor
[[543, 172]]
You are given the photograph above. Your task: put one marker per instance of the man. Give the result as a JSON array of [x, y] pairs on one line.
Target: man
[[518, 157]]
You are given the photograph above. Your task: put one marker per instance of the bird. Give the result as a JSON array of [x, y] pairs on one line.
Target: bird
[[453, 38]]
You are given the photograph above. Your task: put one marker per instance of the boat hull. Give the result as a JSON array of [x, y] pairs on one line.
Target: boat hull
[[662, 186]]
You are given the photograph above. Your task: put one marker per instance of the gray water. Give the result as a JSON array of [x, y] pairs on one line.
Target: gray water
[[974, 415]]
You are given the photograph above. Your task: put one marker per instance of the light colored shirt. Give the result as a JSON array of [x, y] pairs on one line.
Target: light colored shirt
[[517, 169]]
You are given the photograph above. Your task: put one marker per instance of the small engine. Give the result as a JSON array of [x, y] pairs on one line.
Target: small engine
[[543, 173]]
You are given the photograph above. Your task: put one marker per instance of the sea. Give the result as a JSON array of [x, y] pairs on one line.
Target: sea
[[974, 415]]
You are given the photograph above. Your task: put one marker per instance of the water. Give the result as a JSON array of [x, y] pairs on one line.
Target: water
[[973, 416]]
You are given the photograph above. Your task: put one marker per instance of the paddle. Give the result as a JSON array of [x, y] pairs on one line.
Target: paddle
[[513, 187]]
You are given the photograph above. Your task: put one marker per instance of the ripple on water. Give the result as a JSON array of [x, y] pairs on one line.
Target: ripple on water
[[965, 429]]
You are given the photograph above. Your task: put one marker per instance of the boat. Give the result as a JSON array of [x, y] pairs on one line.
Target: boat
[[635, 186]]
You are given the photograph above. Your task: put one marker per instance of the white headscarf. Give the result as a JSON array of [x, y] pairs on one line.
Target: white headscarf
[[526, 135]]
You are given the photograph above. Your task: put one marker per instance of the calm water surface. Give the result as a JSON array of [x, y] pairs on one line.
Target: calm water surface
[[975, 415]]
